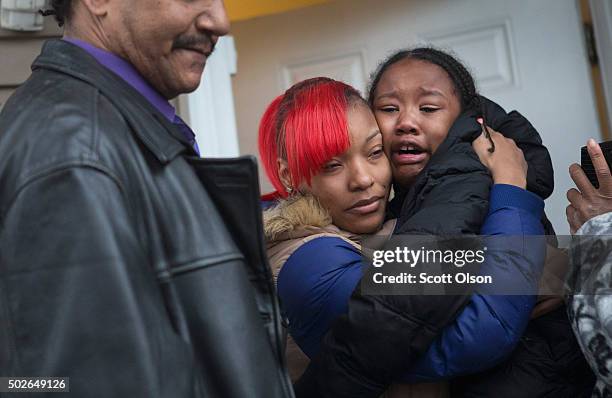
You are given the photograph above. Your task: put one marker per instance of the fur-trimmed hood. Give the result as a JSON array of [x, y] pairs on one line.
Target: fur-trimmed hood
[[295, 213], [293, 222], [299, 219]]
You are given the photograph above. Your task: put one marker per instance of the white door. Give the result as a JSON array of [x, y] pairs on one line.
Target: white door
[[527, 55], [602, 24], [209, 110]]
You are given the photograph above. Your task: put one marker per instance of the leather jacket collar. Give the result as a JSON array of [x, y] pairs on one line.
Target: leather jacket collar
[[64, 57]]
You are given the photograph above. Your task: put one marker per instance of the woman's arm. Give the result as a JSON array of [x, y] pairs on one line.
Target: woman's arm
[[314, 287], [369, 340], [490, 326], [317, 280]]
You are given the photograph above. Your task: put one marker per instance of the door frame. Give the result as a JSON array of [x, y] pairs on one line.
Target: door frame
[[601, 20]]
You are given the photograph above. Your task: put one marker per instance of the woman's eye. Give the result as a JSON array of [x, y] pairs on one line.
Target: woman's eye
[[376, 153], [429, 109], [331, 166]]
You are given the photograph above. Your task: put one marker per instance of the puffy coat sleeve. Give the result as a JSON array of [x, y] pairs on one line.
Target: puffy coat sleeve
[[72, 280], [380, 336], [314, 287], [373, 337], [317, 280], [490, 326]]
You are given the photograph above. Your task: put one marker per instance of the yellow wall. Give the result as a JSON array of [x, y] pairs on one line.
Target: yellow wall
[[244, 9]]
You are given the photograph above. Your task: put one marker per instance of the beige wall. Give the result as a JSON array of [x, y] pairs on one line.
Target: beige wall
[[17, 51]]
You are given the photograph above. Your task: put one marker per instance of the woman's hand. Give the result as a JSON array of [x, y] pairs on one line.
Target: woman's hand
[[507, 163], [587, 202]]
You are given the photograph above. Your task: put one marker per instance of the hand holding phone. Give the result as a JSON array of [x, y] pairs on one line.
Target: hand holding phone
[[587, 163], [588, 200]]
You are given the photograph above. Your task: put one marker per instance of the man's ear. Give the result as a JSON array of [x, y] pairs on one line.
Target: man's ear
[[98, 8], [283, 173]]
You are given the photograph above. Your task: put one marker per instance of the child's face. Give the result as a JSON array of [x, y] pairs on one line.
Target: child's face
[[415, 104]]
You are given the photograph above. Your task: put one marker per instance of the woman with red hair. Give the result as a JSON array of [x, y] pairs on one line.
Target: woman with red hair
[[315, 118], [323, 152]]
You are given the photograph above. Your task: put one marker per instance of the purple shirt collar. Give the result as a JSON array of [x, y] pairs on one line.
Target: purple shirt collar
[[127, 72]]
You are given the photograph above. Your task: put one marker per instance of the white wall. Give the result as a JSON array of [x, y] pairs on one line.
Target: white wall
[[209, 110], [528, 55]]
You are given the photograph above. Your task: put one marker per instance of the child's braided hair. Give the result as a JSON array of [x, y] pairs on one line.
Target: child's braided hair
[[458, 73]]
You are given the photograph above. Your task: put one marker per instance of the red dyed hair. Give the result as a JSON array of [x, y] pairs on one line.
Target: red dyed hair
[[306, 126]]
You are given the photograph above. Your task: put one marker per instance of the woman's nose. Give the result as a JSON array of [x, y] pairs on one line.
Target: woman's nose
[[361, 178]]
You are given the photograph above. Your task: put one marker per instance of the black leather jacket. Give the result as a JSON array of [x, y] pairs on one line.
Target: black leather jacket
[[127, 263]]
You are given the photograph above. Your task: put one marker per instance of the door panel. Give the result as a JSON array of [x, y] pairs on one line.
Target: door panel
[[487, 48], [347, 67]]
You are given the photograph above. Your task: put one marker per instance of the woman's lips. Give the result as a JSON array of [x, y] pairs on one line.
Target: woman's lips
[[408, 158], [366, 208]]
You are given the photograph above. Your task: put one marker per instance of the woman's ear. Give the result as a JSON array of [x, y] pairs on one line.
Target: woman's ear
[[284, 175]]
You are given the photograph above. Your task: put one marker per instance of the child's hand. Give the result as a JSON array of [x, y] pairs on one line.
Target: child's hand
[[507, 163]]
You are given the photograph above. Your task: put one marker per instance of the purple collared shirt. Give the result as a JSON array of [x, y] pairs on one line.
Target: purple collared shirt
[[127, 72]]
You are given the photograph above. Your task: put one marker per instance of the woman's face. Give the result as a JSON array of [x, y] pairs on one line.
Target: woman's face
[[415, 104], [354, 186]]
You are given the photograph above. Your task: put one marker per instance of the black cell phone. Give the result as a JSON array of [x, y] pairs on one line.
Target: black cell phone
[[587, 163]]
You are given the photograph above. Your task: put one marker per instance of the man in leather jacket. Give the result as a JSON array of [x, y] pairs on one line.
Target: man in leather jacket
[[133, 266], [118, 266]]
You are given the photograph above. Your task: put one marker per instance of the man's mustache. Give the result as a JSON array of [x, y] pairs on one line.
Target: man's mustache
[[195, 41]]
